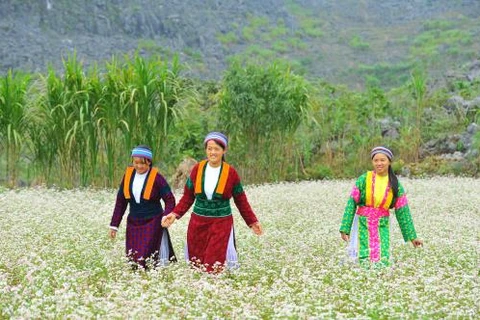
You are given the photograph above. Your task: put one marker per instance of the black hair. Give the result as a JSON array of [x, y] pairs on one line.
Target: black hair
[[393, 183]]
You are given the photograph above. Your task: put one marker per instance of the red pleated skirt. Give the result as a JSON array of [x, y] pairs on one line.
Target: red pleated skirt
[[207, 241]]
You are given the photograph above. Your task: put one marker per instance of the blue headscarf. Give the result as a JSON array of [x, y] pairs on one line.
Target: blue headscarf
[[382, 150], [142, 152], [218, 137]]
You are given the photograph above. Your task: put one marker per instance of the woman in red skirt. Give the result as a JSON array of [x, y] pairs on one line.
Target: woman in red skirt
[[211, 185], [143, 187]]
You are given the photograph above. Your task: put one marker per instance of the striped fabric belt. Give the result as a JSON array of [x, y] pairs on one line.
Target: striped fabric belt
[[210, 208], [371, 212]]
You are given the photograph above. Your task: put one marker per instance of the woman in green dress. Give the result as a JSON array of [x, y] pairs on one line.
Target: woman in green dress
[[365, 223]]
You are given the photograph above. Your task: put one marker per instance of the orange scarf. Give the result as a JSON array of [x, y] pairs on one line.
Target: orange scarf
[[222, 180], [148, 188]]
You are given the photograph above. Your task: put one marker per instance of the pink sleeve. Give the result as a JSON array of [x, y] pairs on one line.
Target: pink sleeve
[[355, 194]]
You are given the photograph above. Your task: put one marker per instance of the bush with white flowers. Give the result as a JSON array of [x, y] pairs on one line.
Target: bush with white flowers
[[56, 260]]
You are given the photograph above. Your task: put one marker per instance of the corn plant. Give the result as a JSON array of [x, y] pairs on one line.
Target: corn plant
[[13, 122], [144, 98], [418, 86], [114, 129], [82, 137], [66, 135]]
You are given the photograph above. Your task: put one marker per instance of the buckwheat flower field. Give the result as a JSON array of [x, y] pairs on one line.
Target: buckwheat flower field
[[57, 262]]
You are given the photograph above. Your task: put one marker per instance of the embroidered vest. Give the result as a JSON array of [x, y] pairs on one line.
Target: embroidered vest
[[147, 193], [217, 207]]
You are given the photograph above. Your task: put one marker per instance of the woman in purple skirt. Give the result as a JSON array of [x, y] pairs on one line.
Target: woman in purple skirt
[[142, 187]]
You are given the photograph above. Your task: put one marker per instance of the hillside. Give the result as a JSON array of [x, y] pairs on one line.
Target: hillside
[[341, 41]]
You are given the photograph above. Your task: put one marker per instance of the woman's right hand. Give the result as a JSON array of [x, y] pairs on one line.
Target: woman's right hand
[[168, 220], [257, 228], [345, 237], [112, 233], [417, 243]]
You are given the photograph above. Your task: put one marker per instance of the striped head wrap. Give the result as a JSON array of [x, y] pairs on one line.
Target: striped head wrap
[[382, 150], [218, 137], [142, 152]]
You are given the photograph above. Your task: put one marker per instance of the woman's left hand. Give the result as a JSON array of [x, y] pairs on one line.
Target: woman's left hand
[[112, 233], [257, 228], [168, 220], [417, 243]]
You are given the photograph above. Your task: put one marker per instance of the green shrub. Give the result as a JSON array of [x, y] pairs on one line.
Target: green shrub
[[357, 43]]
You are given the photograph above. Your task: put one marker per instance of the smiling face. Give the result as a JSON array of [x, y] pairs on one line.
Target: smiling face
[[141, 165], [214, 153], [380, 163]]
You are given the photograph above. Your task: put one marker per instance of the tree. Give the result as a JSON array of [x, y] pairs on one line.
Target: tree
[[261, 108]]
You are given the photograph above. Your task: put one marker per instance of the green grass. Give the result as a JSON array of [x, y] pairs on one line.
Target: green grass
[[357, 43], [227, 38]]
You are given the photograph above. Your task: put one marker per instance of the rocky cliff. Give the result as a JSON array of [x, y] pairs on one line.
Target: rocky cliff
[[324, 38]]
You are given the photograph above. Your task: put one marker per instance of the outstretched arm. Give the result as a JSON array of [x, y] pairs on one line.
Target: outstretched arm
[[349, 212], [183, 205], [404, 218], [243, 206], [118, 212]]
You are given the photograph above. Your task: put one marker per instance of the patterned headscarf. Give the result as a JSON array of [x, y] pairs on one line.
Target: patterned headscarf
[[382, 150], [142, 152], [218, 137]]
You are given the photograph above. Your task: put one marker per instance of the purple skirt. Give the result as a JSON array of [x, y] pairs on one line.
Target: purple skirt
[[144, 241]]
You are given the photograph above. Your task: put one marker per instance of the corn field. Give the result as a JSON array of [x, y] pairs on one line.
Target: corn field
[[76, 128]]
